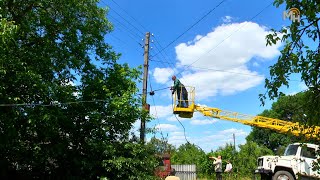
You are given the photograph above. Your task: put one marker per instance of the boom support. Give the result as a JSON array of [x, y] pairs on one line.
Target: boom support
[[278, 125]]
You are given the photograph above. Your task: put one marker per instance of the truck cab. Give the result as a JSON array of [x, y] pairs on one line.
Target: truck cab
[[297, 162]]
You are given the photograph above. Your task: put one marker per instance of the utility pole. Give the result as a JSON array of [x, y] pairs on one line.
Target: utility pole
[[145, 81]]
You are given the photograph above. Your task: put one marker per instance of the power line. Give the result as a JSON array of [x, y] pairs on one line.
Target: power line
[[194, 24], [127, 29], [112, 9], [52, 103], [219, 70], [155, 108], [127, 21], [56, 103], [123, 42], [184, 129], [227, 37], [129, 15], [166, 61]]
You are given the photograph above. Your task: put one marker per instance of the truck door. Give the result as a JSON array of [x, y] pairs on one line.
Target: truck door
[[308, 156]]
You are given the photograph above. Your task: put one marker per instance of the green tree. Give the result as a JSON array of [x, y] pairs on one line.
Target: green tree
[[67, 105], [190, 154], [247, 157], [227, 152], [300, 54], [161, 146], [289, 108]]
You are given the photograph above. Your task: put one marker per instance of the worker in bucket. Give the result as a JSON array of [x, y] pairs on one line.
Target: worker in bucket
[[182, 92]]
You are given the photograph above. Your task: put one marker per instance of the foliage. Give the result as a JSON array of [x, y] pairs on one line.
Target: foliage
[[299, 55], [132, 162], [289, 108], [227, 152], [244, 161], [7, 31], [68, 104], [247, 157], [190, 154], [161, 146]]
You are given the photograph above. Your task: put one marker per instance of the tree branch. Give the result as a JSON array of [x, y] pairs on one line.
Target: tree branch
[[303, 30]]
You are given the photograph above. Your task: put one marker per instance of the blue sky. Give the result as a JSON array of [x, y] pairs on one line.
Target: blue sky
[[226, 49]]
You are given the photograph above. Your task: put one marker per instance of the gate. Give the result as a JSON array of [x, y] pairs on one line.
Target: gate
[[186, 171]]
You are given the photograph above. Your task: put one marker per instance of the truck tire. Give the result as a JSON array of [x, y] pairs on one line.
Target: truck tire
[[283, 175]]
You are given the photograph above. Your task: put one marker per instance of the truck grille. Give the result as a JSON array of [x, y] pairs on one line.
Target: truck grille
[[260, 162]]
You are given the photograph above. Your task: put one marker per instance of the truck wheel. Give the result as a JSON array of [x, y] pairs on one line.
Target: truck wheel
[[282, 175]]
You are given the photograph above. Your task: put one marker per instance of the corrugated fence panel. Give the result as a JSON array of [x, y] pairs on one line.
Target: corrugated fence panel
[[186, 171]]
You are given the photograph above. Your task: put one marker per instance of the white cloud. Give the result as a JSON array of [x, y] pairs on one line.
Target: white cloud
[[212, 141], [227, 19], [291, 93], [203, 122], [237, 132], [135, 128], [255, 64], [161, 111], [303, 86], [162, 75], [166, 127], [224, 55], [174, 118]]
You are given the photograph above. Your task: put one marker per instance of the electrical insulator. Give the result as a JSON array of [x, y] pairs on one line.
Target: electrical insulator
[[151, 93]]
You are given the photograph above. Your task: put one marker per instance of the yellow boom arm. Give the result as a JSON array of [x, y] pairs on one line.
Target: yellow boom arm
[[278, 125]]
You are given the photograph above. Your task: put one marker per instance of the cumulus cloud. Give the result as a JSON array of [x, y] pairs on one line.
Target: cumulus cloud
[[255, 64], [237, 132], [210, 140], [161, 111], [203, 122], [220, 59], [227, 19], [166, 127], [162, 75], [303, 86]]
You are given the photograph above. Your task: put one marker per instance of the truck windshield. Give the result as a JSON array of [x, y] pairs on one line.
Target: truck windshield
[[291, 150]]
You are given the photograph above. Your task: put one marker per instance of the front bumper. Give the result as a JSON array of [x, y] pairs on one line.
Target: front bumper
[[263, 171]]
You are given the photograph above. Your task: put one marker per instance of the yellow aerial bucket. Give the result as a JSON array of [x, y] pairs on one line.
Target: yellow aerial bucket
[[183, 103]]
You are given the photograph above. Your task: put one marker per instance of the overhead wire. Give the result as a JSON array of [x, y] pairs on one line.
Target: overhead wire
[[127, 30], [56, 103], [194, 24], [227, 37], [164, 54], [123, 43], [155, 108], [127, 22], [156, 44], [220, 70], [112, 9], [132, 34], [129, 14], [165, 63], [184, 129]]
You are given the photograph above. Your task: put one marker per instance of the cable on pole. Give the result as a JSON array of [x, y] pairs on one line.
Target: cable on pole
[[194, 24]]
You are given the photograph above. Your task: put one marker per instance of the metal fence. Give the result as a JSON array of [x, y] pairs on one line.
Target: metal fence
[[186, 171]]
